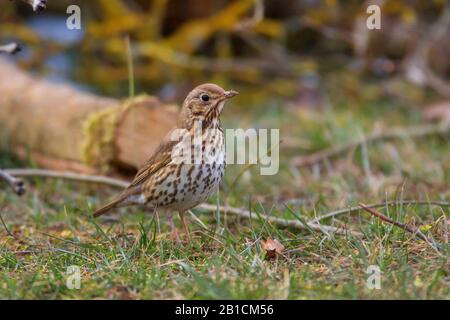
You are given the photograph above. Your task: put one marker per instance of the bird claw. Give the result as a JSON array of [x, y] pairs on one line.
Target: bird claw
[[175, 237]]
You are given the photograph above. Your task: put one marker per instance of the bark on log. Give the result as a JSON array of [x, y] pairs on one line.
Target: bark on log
[[62, 128]]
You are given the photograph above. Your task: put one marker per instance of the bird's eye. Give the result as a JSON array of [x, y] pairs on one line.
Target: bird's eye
[[204, 97]]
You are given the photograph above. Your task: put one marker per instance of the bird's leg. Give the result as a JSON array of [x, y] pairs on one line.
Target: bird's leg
[[186, 229], [174, 229]]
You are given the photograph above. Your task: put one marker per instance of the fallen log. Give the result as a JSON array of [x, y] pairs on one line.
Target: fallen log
[[62, 128]]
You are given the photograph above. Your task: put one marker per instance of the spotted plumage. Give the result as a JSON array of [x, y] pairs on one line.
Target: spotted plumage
[[188, 165]]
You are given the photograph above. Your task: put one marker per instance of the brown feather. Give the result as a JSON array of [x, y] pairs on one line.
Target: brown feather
[[113, 204]]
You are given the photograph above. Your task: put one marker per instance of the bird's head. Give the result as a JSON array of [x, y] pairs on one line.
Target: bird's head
[[204, 103]]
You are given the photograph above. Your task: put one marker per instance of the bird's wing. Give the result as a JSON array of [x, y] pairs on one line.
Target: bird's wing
[[160, 158]]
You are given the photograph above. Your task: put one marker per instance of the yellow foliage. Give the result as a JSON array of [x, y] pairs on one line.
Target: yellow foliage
[[113, 9], [110, 27], [270, 28], [192, 34]]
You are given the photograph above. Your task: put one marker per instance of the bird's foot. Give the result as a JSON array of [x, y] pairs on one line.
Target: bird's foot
[[175, 237]]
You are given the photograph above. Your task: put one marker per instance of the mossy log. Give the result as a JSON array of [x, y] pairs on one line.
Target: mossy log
[[62, 128]]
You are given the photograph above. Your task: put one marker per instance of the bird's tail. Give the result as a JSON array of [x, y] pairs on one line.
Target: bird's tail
[[113, 204], [122, 200]]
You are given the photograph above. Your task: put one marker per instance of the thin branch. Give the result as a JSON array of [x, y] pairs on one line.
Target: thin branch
[[117, 183], [411, 229], [16, 185], [208, 207], [12, 235], [397, 133], [380, 205], [10, 48], [279, 221]]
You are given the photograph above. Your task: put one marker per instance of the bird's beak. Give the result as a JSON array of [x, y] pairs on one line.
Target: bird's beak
[[229, 94]]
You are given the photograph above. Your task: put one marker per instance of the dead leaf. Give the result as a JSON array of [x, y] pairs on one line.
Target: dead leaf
[[272, 247]]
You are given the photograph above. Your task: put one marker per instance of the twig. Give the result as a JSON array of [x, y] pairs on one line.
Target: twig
[[278, 221], [12, 235], [411, 229], [6, 227], [397, 133], [123, 184], [16, 184], [380, 205], [117, 183], [10, 48]]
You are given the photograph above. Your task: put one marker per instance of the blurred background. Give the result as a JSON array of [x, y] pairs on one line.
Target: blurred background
[[299, 50], [364, 116], [311, 68]]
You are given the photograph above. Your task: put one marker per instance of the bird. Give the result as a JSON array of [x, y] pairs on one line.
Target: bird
[[188, 165]]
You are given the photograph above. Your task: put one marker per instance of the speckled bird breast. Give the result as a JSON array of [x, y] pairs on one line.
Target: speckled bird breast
[[182, 186]]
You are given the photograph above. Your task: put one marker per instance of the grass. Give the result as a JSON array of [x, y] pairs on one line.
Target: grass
[[132, 256]]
